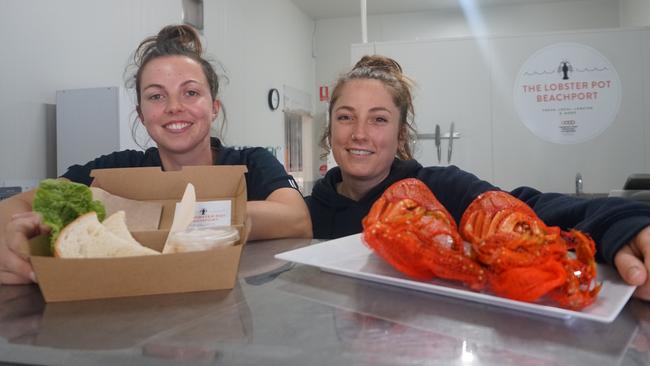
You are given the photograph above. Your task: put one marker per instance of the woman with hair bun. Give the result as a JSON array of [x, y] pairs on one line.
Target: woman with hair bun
[[370, 134], [177, 102]]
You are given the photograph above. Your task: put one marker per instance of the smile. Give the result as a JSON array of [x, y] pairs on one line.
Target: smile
[[177, 126], [359, 152]]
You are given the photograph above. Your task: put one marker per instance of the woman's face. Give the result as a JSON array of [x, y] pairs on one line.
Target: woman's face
[[364, 131], [175, 104]]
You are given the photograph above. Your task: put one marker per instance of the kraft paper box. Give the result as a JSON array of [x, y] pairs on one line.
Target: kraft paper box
[[66, 279]]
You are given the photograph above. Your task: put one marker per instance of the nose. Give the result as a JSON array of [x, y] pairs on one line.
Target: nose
[[359, 130], [173, 105]]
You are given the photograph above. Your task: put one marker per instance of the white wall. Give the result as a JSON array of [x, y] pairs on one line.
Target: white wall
[[52, 45], [263, 44], [334, 36], [634, 13]]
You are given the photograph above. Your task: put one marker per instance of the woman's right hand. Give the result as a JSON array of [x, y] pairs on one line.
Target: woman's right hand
[[15, 267]]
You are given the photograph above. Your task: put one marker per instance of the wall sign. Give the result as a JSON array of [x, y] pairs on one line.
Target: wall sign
[[567, 93], [324, 92]]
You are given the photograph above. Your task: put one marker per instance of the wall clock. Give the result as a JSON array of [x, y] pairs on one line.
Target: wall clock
[[274, 99]]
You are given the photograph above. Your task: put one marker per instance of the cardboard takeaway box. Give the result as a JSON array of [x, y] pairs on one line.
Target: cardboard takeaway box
[[66, 279]]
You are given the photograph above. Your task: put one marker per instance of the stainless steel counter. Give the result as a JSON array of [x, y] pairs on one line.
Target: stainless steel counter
[[284, 314]]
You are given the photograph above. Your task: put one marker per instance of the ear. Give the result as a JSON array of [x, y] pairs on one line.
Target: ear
[[216, 106], [402, 137], [139, 110], [329, 135]]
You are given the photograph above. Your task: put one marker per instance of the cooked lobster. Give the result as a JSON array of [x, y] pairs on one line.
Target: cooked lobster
[[412, 231], [502, 246]]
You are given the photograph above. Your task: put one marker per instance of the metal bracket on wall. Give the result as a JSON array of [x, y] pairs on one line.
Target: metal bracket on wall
[[438, 137]]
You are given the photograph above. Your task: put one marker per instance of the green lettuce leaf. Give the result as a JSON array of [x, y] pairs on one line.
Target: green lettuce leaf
[[61, 201]]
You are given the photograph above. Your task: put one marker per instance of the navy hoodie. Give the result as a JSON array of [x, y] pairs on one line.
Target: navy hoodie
[[611, 222]]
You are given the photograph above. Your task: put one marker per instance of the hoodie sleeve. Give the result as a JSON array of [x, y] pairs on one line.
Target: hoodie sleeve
[[611, 222]]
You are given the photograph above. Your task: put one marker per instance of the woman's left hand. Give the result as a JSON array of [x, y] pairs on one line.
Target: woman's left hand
[[633, 263]]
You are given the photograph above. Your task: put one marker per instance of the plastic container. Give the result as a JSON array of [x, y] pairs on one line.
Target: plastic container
[[202, 239]]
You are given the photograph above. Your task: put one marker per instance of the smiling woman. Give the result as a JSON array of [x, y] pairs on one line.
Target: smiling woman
[[177, 109], [364, 135], [177, 102]]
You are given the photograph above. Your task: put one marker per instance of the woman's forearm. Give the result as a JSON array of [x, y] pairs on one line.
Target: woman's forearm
[[282, 215]]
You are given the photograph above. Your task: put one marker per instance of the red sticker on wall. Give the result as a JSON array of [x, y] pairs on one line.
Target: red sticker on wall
[[324, 93]]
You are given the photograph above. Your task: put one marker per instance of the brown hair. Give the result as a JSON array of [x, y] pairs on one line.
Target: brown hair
[[389, 72], [172, 40]]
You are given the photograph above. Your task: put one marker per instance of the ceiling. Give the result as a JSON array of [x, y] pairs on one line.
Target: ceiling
[[323, 9]]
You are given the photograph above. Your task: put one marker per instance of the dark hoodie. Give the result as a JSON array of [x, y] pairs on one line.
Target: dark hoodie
[[612, 222]]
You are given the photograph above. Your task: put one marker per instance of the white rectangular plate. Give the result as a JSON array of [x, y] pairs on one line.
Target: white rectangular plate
[[350, 257]]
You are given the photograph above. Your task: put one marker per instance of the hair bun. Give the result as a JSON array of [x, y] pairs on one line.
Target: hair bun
[[182, 35], [379, 62]]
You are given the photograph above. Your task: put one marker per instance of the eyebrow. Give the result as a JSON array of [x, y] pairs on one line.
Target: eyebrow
[[190, 81], [380, 109], [344, 107], [373, 109], [152, 86]]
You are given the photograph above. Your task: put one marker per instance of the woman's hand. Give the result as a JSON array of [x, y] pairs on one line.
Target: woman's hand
[[14, 248], [633, 263]]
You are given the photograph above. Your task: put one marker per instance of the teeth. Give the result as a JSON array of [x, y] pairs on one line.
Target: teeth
[[177, 125], [359, 152]]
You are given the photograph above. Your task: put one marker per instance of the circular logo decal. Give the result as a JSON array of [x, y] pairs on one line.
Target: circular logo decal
[[567, 93]]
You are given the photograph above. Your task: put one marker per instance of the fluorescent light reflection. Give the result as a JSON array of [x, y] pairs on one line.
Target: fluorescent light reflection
[[479, 32], [474, 19], [466, 356]]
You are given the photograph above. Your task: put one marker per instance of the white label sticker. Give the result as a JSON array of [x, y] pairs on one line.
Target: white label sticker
[[212, 213]]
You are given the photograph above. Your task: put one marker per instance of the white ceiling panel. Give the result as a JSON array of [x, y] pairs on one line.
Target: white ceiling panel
[[323, 9]]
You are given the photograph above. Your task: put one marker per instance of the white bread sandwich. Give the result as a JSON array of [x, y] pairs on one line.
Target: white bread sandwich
[[116, 223], [86, 237]]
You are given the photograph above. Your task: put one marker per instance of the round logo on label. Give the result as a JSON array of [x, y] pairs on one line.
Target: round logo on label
[[567, 93]]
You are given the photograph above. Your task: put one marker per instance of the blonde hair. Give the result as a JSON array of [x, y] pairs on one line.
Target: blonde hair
[[389, 72]]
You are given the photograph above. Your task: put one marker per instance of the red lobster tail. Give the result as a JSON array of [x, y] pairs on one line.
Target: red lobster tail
[[527, 259], [528, 283], [410, 229]]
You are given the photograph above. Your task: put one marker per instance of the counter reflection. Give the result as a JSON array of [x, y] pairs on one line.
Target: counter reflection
[[177, 326], [376, 319], [21, 312]]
